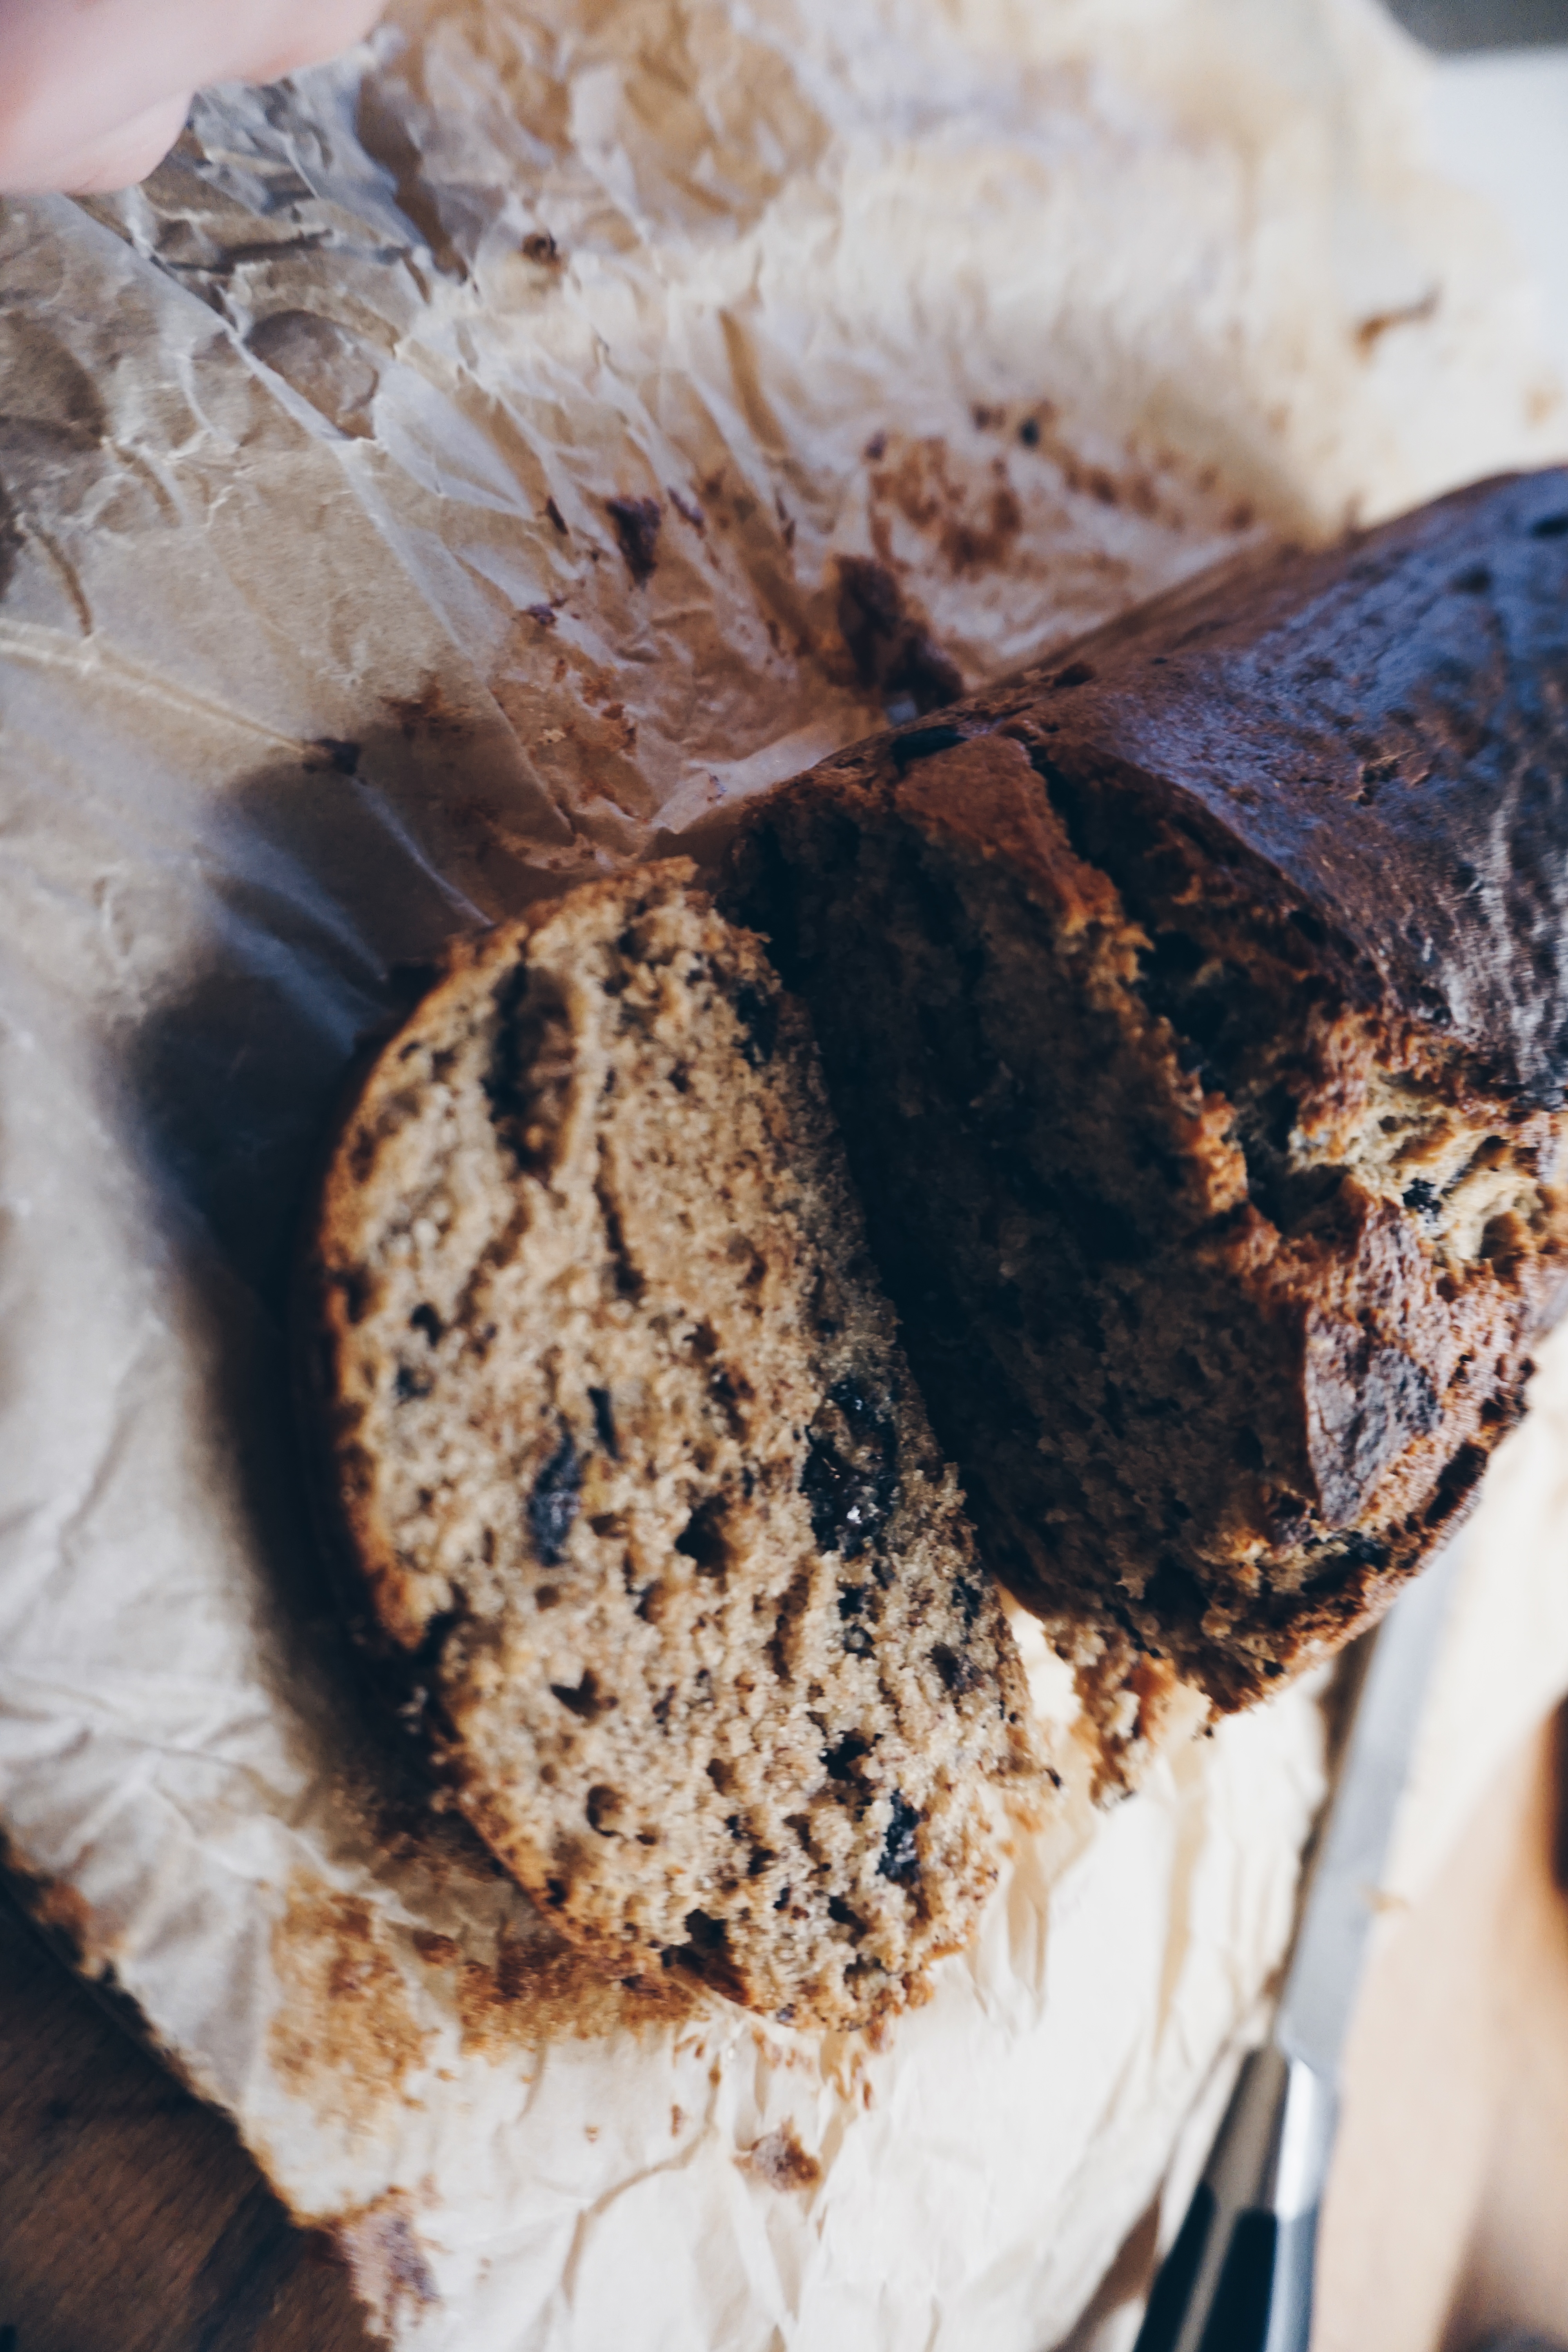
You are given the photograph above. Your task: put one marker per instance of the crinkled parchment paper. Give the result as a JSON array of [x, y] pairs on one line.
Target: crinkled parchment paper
[[456, 471]]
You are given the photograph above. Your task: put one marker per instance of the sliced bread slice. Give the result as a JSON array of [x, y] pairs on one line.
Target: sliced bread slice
[[635, 1475]]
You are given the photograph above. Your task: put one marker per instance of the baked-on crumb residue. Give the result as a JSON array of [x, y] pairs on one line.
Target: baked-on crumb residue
[[344, 2037], [537, 1989], [780, 2159]]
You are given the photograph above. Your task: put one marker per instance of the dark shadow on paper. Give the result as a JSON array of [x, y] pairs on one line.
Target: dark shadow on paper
[[324, 908], [329, 886], [317, 891], [1126, 2283], [323, 916]]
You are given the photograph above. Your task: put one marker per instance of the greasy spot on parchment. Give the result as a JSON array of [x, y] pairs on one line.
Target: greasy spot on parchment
[[323, 363], [535, 1989], [781, 2161], [344, 2038], [428, 712], [391, 2274]]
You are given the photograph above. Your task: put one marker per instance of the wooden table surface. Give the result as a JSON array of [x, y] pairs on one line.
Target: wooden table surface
[[131, 2219]]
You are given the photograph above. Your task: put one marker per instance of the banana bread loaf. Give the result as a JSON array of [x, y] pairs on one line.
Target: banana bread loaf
[[1196, 1015]]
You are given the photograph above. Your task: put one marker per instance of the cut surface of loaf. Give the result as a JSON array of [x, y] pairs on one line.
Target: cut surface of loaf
[[1198, 1018], [633, 1472]]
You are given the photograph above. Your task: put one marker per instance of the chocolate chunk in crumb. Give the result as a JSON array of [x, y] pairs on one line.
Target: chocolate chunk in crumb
[[851, 1475], [957, 1672], [604, 1421], [841, 1761], [900, 1859], [529, 1080], [553, 1503]]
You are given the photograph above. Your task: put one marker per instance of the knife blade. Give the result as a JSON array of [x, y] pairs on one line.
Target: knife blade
[[1337, 1917], [1239, 2275]]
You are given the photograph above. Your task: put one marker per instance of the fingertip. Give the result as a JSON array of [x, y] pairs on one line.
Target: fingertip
[[125, 155], [57, 100]]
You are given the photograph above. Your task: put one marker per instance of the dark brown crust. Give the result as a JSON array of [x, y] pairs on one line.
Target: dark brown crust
[[1368, 744], [1406, 696]]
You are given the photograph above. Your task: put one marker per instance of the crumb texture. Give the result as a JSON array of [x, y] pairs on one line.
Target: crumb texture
[[1218, 1244], [637, 1477]]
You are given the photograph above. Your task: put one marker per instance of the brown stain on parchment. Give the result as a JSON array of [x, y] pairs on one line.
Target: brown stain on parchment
[[591, 716], [1152, 482], [389, 2267], [780, 2160], [1370, 331], [638, 523], [514, 1985], [972, 509], [344, 2038], [974, 524], [427, 713], [888, 639], [568, 712], [536, 1988]]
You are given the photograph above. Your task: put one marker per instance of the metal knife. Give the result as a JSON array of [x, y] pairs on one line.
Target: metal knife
[[1239, 2275]]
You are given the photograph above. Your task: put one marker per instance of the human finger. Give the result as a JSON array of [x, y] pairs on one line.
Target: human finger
[[81, 86]]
